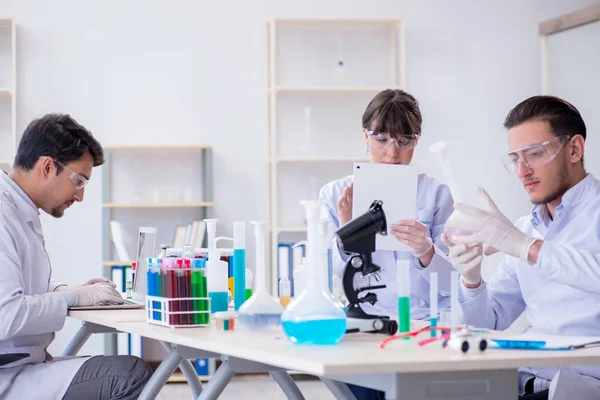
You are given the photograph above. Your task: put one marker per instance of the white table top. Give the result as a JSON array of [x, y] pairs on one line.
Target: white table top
[[356, 353], [109, 318]]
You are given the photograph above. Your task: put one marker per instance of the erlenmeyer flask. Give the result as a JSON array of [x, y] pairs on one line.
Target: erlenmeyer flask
[[315, 317], [261, 311]]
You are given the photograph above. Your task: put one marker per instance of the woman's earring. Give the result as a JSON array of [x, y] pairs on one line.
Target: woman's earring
[[368, 151]]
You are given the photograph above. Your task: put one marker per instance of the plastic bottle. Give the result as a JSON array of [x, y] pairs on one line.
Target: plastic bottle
[[217, 271]]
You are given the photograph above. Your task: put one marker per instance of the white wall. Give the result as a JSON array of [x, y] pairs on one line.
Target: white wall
[[193, 72]]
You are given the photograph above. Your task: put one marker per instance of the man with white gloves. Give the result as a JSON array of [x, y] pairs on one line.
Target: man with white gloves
[[53, 165], [551, 268]]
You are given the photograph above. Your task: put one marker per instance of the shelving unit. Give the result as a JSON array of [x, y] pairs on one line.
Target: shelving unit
[[160, 186], [315, 104], [8, 93], [158, 205]]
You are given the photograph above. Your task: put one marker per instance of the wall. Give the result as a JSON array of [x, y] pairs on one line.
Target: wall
[[193, 72]]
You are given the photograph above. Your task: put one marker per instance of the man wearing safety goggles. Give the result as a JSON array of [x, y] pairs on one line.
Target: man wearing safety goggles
[[52, 167], [551, 268]]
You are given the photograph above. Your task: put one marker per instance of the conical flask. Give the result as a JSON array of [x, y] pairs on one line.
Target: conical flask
[[315, 317], [261, 311]]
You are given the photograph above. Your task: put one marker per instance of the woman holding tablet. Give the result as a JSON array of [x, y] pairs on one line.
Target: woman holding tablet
[[391, 127]]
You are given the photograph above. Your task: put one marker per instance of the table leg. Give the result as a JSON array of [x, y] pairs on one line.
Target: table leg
[[217, 383], [287, 384], [339, 389], [161, 375]]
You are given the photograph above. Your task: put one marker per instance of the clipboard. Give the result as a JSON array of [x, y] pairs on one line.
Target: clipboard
[[396, 186]]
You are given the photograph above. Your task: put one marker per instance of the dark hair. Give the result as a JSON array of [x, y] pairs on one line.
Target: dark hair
[[58, 136], [395, 112], [563, 117]]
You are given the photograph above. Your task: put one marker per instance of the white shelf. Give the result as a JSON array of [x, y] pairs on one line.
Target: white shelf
[[291, 229], [5, 91], [117, 263], [337, 102], [337, 21], [318, 159], [329, 89], [192, 147], [158, 205]]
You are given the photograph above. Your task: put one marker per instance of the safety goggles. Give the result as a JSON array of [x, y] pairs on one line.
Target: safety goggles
[[384, 140], [536, 155], [78, 181]]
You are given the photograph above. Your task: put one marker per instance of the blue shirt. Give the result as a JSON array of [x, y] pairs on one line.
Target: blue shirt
[[434, 206], [560, 293]]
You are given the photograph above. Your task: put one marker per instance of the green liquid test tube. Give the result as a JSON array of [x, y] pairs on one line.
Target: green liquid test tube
[[196, 276], [403, 281]]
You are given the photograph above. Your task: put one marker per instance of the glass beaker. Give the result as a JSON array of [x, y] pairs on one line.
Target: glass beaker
[[261, 311], [314, 316]]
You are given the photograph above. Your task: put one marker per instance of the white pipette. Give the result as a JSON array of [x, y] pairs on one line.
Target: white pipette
[[439, 149], [454, 312]]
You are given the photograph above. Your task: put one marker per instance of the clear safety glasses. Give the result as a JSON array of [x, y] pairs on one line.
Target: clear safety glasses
[[536, 155], [384, 140], [78, 181]]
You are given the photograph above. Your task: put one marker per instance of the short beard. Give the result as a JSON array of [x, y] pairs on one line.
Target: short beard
[[563, 186], [57, 212]]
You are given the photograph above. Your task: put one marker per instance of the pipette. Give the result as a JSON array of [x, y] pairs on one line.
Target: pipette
[[433, 301], [454, 311], [439, 149]]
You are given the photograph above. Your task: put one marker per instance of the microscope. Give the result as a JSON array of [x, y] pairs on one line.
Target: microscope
[[358, 238]]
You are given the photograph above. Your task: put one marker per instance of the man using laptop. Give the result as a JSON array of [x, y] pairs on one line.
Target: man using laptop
[[551, 268], [53, 165]]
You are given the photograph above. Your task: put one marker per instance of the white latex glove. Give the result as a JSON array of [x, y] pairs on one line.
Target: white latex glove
[[414, 235], [492, 228], [98, 293], [100, 280], [466, 259], [344, 205], [88, 283]]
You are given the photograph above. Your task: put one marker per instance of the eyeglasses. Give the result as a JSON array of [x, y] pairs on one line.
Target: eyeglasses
[[78, 181], [536, 155], [383, 140]]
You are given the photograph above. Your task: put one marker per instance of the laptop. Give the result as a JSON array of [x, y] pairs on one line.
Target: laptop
[[146, 246]]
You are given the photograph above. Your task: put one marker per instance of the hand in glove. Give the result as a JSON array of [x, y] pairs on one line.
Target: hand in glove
[[491, 227], [92, 281], [466, 259], [96, 294], [414, 235], [100, 280]]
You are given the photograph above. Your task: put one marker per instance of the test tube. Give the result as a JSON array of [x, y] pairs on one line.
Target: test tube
[[188, 255], [239, 263], [403, 281], [454, 306], [285, 289], [433, 301], [249, 280]]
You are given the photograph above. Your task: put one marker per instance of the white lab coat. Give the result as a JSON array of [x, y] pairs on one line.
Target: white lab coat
[[559, 293], [30, 312]]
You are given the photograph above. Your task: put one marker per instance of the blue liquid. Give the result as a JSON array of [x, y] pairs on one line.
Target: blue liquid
[[218, 301], [260, 322], [319, 331], [153, 281], [433, 323], [239, 277]]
